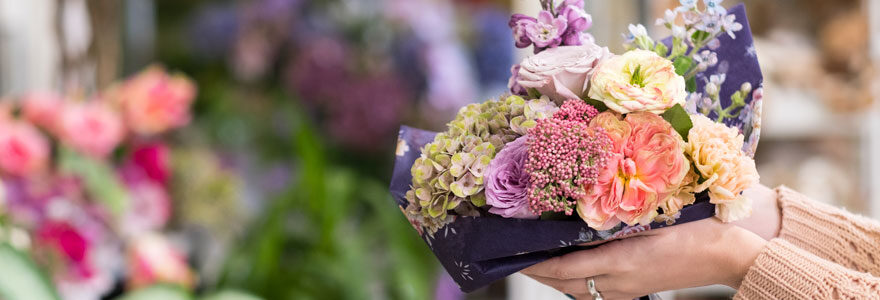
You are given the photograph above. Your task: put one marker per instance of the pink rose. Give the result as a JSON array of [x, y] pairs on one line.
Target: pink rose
[[43, 109], [70, 244], [92, 128], [562, 73], [154, 160], [153, 259], [646, 167], [23, 149], [154, 101]]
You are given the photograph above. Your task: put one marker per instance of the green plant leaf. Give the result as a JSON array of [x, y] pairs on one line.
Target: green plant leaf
[[679, 119], [691, 85], [682, 64], [598, 105], [21, 279], [99, 178], [661, 49], [533, 93], [699, 36], [160, 291]]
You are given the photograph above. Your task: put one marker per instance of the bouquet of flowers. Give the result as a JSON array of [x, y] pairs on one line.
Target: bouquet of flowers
[[590, 145]]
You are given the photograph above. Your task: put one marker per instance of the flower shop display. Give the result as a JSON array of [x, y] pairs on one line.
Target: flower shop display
[[85, 189], [590, 145]]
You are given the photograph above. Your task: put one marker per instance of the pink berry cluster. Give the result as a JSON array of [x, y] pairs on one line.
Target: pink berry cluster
[[576, 110], [565, 157]]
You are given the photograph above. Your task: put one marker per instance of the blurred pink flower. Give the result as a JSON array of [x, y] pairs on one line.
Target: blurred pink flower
[[23, 149], [153, 259], [154, 159], [43, 109], [92, 128], [149, 210], [154, 101], [71, 245], [645, 168]]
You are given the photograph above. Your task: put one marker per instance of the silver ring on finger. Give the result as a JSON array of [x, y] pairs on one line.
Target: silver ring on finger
[[591, 286]]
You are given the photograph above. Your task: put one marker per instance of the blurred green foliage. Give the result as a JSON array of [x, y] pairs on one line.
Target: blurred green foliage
[[334, 232]]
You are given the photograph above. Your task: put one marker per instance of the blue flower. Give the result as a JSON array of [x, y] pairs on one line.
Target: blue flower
[[714, 7]]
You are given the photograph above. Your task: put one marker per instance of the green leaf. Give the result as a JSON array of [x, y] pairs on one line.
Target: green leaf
[[533, 93], [682, 64], [99, 178], [691, 85], [679, 119], [598, 105], [231, 295], [699, 36], [20, 279], [550, 215], [661, 49], [160, 291]]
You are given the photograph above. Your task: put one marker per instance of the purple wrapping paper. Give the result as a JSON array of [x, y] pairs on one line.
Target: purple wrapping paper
[[476, 251]]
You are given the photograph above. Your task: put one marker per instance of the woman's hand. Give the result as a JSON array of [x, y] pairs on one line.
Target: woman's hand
[[766, 219], [694, 254]]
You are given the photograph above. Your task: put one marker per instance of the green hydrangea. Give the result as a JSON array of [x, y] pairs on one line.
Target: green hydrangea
[[449, 173]]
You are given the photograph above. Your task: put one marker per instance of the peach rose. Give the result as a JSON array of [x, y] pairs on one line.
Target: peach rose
[[561, 73], [716, 151], [23, 149], [638, 80], [92, 128], [154, 101], [646, 168]]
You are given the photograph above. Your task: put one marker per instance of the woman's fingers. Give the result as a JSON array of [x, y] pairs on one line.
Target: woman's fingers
[[578, 287], [574, 287], [579, 264]]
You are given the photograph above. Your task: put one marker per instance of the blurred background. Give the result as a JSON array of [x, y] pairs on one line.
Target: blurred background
[[241, 149]]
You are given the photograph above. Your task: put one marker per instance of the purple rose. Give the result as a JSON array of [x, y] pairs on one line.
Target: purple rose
[[507, 182], [547, 32], [518, 23]]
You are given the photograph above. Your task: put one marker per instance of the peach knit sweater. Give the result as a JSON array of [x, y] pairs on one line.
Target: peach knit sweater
[[822, 252]]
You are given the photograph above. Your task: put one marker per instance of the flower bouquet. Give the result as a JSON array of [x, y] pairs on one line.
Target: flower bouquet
[[590, 146]]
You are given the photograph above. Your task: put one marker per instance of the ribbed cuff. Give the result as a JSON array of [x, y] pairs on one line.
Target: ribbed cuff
[[827, 232], [784, 271]]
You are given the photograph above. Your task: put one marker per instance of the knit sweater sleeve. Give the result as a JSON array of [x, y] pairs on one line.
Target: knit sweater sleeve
[[830, 233], [785, 271]]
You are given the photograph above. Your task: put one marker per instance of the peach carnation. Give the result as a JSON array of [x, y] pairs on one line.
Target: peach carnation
[[716, 153], [645, 168], [638, 80]]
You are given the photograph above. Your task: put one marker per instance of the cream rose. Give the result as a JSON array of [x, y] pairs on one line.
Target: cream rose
[[562, 73], [638, 80], [716, 151]]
